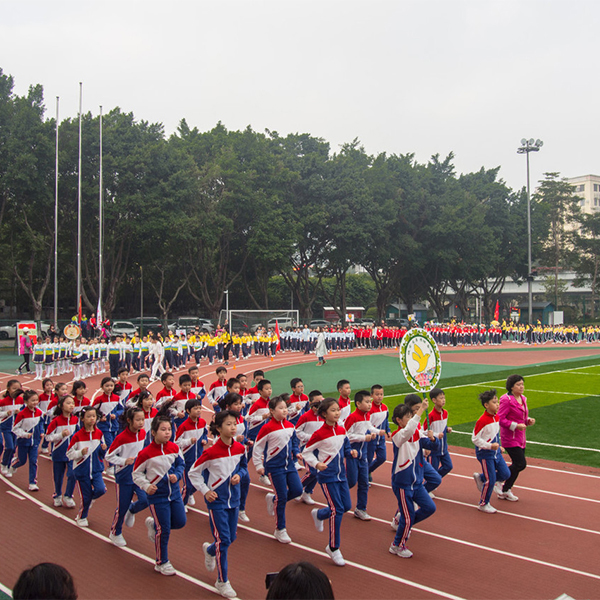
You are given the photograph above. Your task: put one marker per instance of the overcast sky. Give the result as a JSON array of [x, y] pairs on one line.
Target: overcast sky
[[472, 77]]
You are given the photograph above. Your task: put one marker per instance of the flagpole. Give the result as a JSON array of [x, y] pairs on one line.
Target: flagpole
[[56, 224], [100, 234], [78, 305]]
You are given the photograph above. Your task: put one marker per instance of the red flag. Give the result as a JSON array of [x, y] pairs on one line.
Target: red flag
[[80, 313], [278, 336], [497, 311]]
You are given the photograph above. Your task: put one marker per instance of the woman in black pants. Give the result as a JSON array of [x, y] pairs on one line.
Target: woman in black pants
[[514, 420]]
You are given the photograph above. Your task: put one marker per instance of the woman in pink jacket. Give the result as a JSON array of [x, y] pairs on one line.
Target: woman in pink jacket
[[514, 420]]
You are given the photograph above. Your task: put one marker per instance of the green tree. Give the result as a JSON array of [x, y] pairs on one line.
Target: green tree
[[585, 257]]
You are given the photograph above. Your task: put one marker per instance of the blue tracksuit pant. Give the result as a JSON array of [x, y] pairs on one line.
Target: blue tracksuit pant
[[406, 510], [494, 469], [244, 489], [309, 481], [376, 453], [223, 524], [337, 494], [432, 477], [24, 453], [357, 471], [90, 488], [287, 486], [167, 516], [442, 463], [10, 440], [124, 496], [58, 471]]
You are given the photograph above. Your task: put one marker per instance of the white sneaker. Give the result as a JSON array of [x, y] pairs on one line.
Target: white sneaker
[[68, 502], [165, 569], [281, 535], [307, 498], [3, 470], [478, 481], [270, 498], [82, 522], [487, 508], [431, 495], [129, 519], [45, 450], [191, 501], [224, 588], [151, 529], [57, 501], [34, 487], [243, 517], [264, 480], [10, 472], [117, 540], [401, 551], [395, 522], [336, 557], [210, 562], [362, 515], [498, 489], [508, 495], [315, 515]]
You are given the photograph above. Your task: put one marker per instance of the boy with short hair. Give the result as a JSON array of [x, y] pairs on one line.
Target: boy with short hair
[[167, 393], [143, 381], [486, 437], [122, 386], [191, 437], [197, 385], [257, 415], [344, 389], [218, 388], [298, 401], [379, 415], [360, 433], [437, 422], [181, 399]]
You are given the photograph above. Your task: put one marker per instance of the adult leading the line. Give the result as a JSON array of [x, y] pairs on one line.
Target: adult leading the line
[[514, 420]]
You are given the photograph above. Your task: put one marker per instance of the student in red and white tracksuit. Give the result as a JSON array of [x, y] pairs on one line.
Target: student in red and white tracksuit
[[275, 453], [158, 470], [10, 405], [28, 429], [307, 424], [59, 434], [325, 452], [437, 421], [122, 454], [217, 474], [86, 450]]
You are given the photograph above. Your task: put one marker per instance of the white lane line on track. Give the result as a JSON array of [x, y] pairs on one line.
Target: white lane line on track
[[472, 544], [503, 512], [99, 536], [350, 563]]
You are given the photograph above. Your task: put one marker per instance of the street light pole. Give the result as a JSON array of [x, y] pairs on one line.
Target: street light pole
[[528, 146]]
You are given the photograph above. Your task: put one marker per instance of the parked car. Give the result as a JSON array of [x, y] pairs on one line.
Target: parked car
[[10, 331], [319, 323], [149, 324], [123, 328], [191, 323], [283, 322]]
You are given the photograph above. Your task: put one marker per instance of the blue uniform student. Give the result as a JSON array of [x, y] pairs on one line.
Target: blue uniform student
[[59, 434], [407, 475], [325, 452], [379, 416], [217, 474], [28, 428], [86, 450], [191, 437], [437, 421], [275, 453], [486, 437], [10, 405], [360, 433], [157, 471], [122, 454]]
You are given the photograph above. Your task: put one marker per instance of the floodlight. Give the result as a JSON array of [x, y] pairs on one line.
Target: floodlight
[[523, 142], [539, 143], [531, 142]]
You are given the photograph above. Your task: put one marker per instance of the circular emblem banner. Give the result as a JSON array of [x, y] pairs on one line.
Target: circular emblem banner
[[72, 331], [420, 360]]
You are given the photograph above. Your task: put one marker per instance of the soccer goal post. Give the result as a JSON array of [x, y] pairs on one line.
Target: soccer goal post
[[241, 320]]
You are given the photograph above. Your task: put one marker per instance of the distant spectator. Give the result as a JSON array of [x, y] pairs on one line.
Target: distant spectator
[[300, 581], [46, 581], [26, 349]]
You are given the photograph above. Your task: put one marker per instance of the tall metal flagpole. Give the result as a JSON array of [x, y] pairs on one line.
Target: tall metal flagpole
[[99, 315], [79, 209], [56, 224]]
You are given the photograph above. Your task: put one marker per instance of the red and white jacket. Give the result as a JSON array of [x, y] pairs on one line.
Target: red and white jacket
[[345, 409], [185, 433], [10, 405], [29, 421], [276, 447], [297, 406], [358, 426], [329, 445], [126, 445], [60, 442], [153, 466], [307, 424], [91, 462], [485, 433]]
